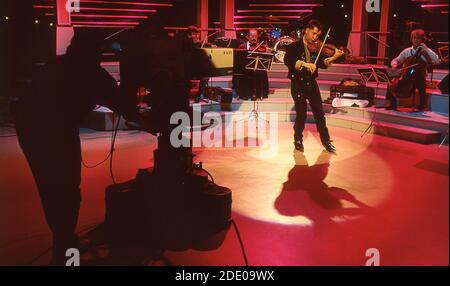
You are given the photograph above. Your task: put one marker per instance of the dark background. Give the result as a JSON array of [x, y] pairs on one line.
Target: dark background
[[23, 42]]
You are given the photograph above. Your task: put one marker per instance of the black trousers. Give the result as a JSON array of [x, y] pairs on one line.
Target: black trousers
[[54, 157], [312, 94]]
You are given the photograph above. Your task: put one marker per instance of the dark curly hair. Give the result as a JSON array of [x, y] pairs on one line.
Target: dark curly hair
[[314, 24]]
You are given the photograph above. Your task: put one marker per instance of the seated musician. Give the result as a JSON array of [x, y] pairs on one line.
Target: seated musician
[[254, 84], [427, 58], [194, 35]]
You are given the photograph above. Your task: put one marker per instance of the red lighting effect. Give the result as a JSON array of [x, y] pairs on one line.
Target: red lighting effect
[[286, 5], [104, 23], [117, 9], [127, 3], [276, 11], [260, 23], [434, 5], [263, 17], [43, 6], [103, 26], [109, 16]]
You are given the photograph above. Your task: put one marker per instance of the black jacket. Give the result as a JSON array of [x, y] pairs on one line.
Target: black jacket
[[295, 52]]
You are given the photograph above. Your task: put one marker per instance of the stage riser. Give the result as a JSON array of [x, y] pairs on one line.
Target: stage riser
[[361, 113], [280, 83], [392, 124], [439, 103], [324, 85], [322, 75], [393, 130], [387, 130], [279, 106], [355, 119], [351, 71], [334, 73], [286, 93], [382, 117]]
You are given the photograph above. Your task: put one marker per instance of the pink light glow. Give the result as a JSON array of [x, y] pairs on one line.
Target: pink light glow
[[43, 6], [127, 3], [276, 11], [109, 16], [117, 9], [103, 23], [260, 23], [263, 17], [434, 5], [286, 5], [104, 26]]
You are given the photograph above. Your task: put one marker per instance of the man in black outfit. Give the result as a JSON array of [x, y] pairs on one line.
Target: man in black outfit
[[303, 73], [61, 94]]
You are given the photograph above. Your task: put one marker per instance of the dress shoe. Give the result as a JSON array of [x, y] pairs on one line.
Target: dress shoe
[[299, 145], [329, 146]]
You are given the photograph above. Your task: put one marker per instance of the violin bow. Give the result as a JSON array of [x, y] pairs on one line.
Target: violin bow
[[323, 45], [253, 51]]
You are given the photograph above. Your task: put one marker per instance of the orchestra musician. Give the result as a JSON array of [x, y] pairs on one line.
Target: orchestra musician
[[427, 58], [194, 36], [254, 84]]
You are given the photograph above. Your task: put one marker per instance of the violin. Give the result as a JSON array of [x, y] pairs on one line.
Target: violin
[[316, 49], [260, 48], [328, 49]]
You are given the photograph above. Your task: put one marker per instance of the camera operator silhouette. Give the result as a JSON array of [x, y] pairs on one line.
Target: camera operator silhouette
[[61, 95]]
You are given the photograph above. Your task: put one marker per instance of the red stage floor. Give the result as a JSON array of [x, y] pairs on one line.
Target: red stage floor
[[316, 209]]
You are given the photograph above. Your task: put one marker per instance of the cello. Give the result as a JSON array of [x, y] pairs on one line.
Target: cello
[[402, 86]]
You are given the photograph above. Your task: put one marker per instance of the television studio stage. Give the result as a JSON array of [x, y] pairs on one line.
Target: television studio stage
[[366, 185]]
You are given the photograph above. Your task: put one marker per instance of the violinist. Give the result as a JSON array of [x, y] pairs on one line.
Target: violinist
[[426, 57], [256, 83], [300, 57]]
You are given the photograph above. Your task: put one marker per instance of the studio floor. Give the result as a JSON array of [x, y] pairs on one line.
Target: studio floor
[[291, 208]]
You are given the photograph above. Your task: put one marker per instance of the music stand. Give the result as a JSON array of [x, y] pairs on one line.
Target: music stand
[[378, 76], [257, 61]]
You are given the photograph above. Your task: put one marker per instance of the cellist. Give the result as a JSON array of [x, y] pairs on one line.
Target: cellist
[[427, 58]]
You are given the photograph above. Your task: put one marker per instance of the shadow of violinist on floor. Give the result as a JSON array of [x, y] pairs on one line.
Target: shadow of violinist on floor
[[305, 193]]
